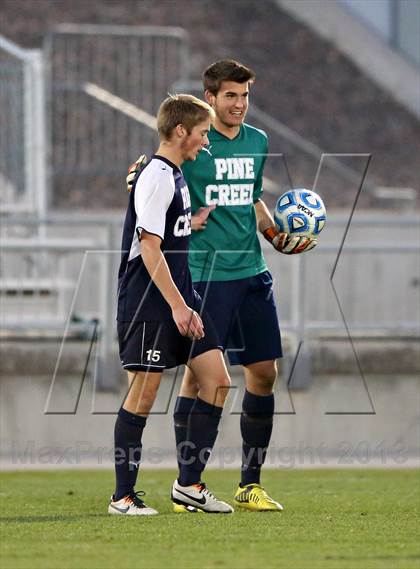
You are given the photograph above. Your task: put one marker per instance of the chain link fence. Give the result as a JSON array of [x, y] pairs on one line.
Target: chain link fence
[[23, 180], [98, 77]]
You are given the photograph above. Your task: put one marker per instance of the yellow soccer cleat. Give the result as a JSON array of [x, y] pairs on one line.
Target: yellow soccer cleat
[[181, 509], [253, 497]]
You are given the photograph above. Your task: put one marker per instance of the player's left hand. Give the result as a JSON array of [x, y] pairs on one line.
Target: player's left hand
[[199, 219], [133, 170], [288, 244]]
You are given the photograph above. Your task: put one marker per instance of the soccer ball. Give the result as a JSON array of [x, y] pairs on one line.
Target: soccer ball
[[300, 213]]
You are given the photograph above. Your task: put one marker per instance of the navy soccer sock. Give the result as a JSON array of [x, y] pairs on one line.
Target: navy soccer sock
[[256, 428], [203, 422], [127, 451], [182, 410]]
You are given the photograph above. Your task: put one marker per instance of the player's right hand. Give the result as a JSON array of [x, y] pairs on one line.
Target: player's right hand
[[199, 219], [295, 245], [133, 171], [188, 322], [289, 244]]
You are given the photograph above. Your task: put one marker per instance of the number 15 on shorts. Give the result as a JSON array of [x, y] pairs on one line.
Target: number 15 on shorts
[[153, 355]]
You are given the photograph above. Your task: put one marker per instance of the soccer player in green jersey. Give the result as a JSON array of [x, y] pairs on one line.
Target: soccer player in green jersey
[[228, 267]]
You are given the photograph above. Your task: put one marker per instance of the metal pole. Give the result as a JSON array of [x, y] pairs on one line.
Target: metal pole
[[38, 155], [28, 127]]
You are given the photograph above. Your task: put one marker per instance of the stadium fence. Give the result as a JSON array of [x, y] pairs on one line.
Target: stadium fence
[[102, 86], [23, 174]]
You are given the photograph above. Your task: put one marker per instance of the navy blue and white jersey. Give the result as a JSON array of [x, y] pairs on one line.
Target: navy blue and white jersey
[[159, 204]]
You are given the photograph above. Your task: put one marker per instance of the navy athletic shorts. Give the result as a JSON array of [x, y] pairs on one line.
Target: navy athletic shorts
[[244, 314], [155, 346]]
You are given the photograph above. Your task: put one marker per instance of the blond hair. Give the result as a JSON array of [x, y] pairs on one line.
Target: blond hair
[[181, 109]]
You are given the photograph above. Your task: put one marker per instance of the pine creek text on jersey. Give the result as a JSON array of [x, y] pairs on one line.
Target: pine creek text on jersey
[[232, 194]]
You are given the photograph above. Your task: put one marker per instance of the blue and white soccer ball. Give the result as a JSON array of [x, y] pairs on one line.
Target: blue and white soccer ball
[[300, 213]]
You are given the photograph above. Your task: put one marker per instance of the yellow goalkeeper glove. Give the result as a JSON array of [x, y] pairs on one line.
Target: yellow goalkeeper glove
[[288, 244], [134, 171]]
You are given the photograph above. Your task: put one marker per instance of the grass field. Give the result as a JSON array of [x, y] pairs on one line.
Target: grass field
[[333, 519]]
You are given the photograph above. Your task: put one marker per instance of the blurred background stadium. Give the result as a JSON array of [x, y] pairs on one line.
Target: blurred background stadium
[[337, 91]]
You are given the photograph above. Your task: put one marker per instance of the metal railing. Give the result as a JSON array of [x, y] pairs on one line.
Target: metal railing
[[23, 173], [94, 73], [58, 258], [369, 288]]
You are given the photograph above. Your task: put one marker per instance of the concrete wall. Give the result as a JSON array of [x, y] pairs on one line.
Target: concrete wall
[[342, 419]]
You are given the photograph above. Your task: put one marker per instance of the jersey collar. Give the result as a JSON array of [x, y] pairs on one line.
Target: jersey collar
[[171, 164], [215, 134]]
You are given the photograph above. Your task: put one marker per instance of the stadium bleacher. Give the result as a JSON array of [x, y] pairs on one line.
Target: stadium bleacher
[[302, 81]]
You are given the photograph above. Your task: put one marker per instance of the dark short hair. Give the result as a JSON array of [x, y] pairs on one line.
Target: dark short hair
[[225, 70], [181, 109]]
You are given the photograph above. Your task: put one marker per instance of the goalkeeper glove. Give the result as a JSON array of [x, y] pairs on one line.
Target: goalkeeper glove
[[134, 171], [289, 244]]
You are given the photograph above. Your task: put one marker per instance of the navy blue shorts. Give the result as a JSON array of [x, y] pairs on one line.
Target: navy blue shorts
[[244, 314], [156, 346]]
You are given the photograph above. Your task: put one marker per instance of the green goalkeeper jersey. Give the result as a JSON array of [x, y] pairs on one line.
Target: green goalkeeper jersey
[[228, 175]]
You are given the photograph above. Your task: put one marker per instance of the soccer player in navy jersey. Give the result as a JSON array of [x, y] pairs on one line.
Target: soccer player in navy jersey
[[159, 325]]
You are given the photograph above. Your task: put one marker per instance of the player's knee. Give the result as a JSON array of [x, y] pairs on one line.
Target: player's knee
[[262, 376], [262, 385], [141, 401], [223, 382], [222, 386], [189, 386], [139, 407], [189, 380]]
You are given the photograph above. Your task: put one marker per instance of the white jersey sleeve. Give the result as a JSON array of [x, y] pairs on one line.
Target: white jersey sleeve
[[154, 193]]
